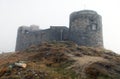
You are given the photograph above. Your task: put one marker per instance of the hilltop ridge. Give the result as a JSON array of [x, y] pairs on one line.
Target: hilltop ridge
[[61, 60]]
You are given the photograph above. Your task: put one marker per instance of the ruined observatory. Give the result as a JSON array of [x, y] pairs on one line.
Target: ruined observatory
[[85, 29]]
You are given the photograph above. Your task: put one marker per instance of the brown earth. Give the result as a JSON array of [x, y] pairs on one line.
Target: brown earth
[[61, 60]]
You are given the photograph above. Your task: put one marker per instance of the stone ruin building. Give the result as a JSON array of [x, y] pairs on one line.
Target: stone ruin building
[[85, 29]]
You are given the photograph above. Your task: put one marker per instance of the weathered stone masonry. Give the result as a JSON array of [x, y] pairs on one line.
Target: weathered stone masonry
[[85, 29]]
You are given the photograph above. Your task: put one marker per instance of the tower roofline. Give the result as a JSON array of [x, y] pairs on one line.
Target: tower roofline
[[83, 12]]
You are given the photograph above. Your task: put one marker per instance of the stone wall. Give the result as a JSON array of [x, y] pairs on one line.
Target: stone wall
[[85, 29], [27, 36]]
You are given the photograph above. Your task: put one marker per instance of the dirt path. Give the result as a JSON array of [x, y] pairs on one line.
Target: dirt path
[[87, 59]]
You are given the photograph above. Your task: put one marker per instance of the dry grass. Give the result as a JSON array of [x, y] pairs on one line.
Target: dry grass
[[61, 60]]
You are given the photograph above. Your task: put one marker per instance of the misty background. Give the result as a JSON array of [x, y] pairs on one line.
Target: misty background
[[45, 13]]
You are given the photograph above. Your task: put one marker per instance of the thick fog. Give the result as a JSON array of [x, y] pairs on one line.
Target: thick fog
[[44, 13]]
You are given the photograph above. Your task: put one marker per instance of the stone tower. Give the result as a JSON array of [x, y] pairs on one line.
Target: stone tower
[[24, 36], [86, 28]]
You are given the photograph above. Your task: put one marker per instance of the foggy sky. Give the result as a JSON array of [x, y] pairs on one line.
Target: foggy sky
[[44, 13]]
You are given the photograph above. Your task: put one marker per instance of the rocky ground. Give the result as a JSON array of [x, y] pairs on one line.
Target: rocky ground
[[61, 60]]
